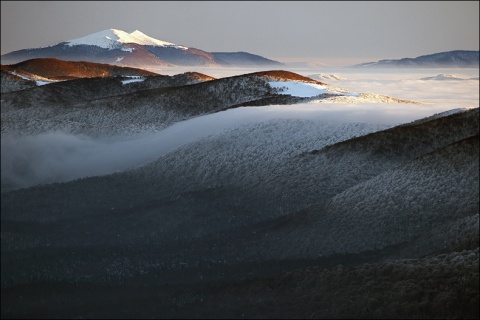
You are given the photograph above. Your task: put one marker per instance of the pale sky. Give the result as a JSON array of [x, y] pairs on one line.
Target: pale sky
[[329, 32]]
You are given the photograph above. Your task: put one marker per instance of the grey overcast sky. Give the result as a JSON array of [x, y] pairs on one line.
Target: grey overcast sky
[[328, 32]]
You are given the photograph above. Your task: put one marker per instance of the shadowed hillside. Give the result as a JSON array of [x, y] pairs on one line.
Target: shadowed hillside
[[193, 239]]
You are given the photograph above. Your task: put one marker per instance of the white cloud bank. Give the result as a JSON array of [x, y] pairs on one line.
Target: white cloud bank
[[305, 89], [58, 157]]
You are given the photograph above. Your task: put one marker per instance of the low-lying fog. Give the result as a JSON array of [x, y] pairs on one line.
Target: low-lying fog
[[58, 157]]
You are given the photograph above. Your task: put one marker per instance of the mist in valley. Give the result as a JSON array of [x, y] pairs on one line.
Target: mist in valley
[[58, 156]]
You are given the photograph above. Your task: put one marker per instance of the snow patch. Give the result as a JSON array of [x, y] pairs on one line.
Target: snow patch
[[305, 89], [20, 75], [40, 81], [133, 79]]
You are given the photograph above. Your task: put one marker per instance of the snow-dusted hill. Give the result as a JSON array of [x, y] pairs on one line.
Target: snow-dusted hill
[[414, 206]]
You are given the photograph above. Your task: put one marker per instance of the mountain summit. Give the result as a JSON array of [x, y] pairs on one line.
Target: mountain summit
[[135, 49], [115, 39]]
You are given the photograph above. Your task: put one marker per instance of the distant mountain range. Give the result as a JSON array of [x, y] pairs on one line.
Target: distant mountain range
[[135, 49], [450, 59], [443, 76]]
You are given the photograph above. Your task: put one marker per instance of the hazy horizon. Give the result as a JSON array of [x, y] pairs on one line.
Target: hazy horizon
[[322, 33]]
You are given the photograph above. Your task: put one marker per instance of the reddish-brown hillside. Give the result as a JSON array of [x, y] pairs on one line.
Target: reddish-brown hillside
[[283, 75], [64, 70], [199, 76], [138, 57]]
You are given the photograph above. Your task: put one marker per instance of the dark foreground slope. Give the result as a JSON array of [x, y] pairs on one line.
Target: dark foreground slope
[[444, 286], [384, 225]]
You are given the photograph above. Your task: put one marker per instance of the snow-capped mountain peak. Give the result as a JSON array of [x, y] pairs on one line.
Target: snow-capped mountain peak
[[114, 38], [107, 39], [139, 37]]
